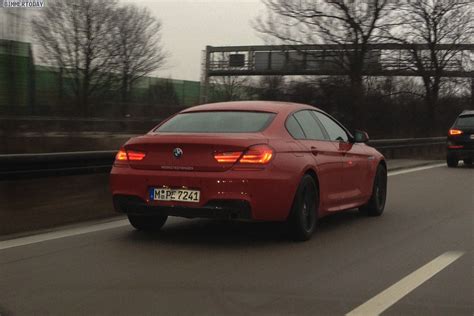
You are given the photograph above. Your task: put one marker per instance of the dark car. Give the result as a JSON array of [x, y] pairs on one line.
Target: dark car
[[461, 140]]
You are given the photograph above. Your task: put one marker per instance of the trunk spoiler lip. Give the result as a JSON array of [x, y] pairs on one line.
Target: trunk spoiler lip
[[191, 110], [155, 135], [181, 138]]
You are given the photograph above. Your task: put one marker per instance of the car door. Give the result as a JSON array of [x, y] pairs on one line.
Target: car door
[[355, 164], [326, 157]]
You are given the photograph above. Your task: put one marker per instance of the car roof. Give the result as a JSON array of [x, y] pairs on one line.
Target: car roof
[[263, 106], [467, 112]]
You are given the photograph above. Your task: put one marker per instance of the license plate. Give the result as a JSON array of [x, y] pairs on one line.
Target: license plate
[[180, 195], [472, 136]]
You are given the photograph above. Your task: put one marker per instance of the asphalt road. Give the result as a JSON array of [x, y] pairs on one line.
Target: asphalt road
[[200, 267]]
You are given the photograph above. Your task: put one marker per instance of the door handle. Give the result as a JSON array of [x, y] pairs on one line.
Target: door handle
[[314, 150]]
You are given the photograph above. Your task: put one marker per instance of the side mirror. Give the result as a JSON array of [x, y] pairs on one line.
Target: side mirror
[[361, 137]]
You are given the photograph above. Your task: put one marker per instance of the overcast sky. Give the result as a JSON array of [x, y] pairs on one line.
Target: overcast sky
[[190, 25]]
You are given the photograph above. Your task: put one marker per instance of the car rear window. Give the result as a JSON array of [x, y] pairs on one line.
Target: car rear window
[[217, 122], [465, 121]]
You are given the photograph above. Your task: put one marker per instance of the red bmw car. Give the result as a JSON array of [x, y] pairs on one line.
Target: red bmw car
[[261, 161]]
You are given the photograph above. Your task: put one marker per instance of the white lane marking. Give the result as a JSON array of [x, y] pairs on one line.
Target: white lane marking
[[23, 241], [393, 294], [396, 173]]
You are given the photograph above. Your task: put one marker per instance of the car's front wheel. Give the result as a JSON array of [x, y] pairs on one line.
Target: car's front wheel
[[147, 223], [376, 204], [304, 211]]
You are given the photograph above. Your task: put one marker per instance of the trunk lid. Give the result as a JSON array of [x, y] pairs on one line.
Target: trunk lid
[[197, 150]]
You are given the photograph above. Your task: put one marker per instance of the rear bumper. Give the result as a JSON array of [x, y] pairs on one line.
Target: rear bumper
[[460, 153], [224, 209], [261, 195]]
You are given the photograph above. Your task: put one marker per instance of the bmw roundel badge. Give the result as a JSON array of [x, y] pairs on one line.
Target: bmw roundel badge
[[177, 152]]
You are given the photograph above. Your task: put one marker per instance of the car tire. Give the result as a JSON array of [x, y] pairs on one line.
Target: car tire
[[376, 204], [147, 223], [467, 161], [452, 162], [304, 211]]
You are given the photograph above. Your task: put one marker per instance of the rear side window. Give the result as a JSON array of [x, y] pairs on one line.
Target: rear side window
[[217, 122], [310, 126], [294, 128], [465, 121], [336, 133]]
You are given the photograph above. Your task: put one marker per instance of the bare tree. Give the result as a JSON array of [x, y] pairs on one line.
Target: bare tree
[[229, 88], [271, 88], [76, 36], [139, 50], [434, 22], [334, 22]]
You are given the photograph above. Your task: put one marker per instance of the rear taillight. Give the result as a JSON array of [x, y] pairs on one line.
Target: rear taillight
[[135, 155], [123, 156], [258, 154], [453, 132], [228, 157]]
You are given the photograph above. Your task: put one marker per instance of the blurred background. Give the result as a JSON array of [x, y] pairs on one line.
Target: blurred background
[[85, 70]]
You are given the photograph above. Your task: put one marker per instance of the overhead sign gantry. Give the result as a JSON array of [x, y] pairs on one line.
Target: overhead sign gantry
[[326, 60]]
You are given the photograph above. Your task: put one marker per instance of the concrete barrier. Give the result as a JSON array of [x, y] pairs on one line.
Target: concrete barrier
[[32, 204]]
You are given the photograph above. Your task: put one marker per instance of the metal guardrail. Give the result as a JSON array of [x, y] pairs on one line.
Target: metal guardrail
[[21, 166], [407, 142]]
